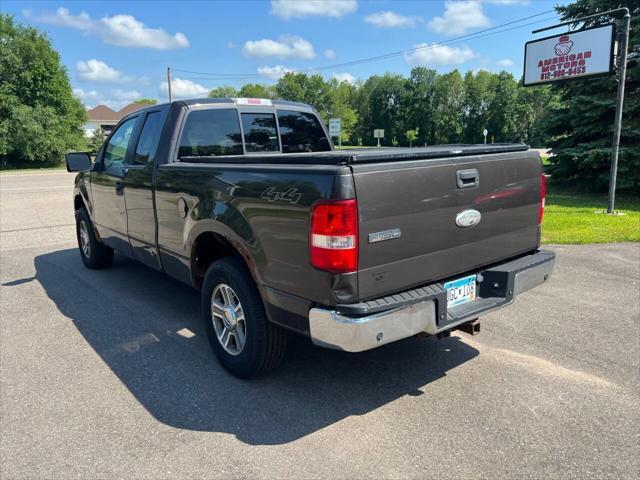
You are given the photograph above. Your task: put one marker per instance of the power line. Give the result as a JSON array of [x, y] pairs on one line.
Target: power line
[[467, 37]]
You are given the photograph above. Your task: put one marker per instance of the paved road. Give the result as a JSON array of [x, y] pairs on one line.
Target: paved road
[[107, 375]]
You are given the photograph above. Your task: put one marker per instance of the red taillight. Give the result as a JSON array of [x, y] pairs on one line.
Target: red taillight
[[543, 194], [333, 240]]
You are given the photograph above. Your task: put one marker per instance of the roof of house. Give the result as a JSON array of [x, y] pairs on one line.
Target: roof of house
[[132, 107], [105, 114], [102, 112]]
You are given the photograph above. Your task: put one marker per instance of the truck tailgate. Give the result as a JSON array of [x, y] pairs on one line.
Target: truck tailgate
[[419, 201]]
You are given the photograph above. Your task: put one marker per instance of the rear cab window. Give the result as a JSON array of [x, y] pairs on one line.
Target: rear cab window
[[231, 131], [260, 133]]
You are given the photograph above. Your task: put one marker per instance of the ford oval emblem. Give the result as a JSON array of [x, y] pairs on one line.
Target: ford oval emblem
[[468, 218]]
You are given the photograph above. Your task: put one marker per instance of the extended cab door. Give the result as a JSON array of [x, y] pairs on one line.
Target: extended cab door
[[107, 186], [138, 188]]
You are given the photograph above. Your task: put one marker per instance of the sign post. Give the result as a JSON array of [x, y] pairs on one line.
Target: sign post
[[617, 125], [378, 133], [580, 54], [485, 132], [335, 127]]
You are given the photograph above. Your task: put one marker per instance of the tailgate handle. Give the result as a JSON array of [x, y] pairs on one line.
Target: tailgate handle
[[468, 178]]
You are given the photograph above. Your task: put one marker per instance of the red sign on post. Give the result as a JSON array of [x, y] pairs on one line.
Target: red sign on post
[[582, 53]]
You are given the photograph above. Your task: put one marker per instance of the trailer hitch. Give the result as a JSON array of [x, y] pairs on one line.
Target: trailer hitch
[[472, 327]]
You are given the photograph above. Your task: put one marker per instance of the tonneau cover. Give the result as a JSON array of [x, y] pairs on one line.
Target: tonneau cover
[[364, 155]]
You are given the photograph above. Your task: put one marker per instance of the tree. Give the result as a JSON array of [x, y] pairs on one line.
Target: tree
[[256, 90], [502, 119], [448, 102], [341, 100], [380, 104], [440, 108], [477, 100], [412, 135], [420, 88], [40, 119], [147, 101], [532, 107], [581, 128], [310, 89], [225, 91], [96, 140]]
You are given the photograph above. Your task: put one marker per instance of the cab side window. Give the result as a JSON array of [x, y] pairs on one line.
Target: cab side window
[[149, 139], [115, 150], [301, 132]]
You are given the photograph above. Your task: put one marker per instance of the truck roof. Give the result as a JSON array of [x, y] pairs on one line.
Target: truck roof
[[254, 102]]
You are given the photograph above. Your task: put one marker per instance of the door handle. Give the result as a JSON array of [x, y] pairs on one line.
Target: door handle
[[468, 178], [119, 188]]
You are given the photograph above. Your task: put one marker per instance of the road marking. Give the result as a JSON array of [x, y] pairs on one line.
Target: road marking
[[35, 188]]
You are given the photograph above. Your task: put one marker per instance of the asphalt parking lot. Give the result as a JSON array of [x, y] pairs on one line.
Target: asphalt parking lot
[[107, 374]]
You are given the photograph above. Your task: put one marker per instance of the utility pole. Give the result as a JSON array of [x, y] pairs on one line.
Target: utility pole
[[169, 82], [617, 126]]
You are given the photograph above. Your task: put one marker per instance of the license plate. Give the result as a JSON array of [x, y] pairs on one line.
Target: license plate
[[461, 291]]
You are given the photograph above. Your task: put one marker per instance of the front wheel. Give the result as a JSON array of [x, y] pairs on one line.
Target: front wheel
[[94, 254], [242, 338]]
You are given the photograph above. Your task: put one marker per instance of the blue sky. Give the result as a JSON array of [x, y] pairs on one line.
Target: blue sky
[[116, 52]]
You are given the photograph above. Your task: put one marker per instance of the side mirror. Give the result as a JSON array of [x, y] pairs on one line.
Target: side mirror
[[78, 162]]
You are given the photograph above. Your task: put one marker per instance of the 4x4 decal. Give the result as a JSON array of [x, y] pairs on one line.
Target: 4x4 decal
[[290, 196]]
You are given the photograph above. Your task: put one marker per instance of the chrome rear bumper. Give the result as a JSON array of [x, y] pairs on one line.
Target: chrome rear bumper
[[498, 286]]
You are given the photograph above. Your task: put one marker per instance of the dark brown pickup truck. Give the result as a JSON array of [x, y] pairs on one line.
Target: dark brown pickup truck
[[247, 200]]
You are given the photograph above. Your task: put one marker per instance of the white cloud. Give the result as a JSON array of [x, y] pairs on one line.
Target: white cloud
[[183, 88], [459, 17], [126, 95], [86, 96], [287, 9], [126, 31], [505, 62], [274, 72], [435, 54], [345, 77], [390, 19], [120, 30], [98, 71], [63, 18], [287, 46], [330, 53]]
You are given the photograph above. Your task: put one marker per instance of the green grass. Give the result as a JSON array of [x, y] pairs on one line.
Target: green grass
[[570, 217], [55, 168]]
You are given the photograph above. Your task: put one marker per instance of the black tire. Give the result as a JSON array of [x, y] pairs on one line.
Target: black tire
[[264, 343], [97, 255]]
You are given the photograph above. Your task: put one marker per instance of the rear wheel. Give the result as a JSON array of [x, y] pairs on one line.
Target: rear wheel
[[94, 254], [242, 338]]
